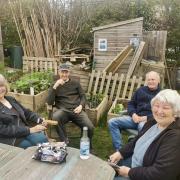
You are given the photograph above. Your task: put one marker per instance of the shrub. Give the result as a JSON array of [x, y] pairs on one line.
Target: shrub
[[40, 81], [94, 100]]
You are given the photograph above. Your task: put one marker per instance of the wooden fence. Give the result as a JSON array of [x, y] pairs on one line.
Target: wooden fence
[[40, 64], [117, 86], [35, 64], [155, 45]]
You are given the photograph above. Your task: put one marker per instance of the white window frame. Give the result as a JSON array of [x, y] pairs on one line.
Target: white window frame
[[102, 45]]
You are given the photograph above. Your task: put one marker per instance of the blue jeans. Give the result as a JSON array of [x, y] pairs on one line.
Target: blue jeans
[[121, 123], [33, 140]]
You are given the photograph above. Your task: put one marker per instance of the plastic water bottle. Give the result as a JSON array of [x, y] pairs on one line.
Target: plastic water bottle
[[84, 144]]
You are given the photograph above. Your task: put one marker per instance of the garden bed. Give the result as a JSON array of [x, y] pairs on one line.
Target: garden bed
[[116, 111], [32, 102], [31, 90], [94, 113]]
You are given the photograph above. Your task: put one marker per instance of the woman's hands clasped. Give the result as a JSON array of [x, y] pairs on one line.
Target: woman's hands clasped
[[115, 158], [39, 127]]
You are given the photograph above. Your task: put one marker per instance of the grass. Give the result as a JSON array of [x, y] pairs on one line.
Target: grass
[[102, 142]]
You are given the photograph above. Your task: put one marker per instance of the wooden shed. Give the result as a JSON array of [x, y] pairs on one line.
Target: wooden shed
[[1, 48], [110, 39]]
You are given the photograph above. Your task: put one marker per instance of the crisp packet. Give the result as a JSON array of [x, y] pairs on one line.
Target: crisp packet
[[51, 152]]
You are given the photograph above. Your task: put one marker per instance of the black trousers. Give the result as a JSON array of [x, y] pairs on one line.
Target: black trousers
[[63, 116]]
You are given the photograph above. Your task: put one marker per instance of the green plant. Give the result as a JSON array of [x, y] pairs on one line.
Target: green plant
[[118, 108], [94, 99], [40, 81], [12, 76], [1, 68]]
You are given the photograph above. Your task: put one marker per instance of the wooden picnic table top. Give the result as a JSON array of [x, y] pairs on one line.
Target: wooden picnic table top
[[7, 153], [18, 164]]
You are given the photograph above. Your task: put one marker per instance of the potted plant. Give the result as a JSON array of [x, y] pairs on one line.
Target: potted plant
[[118, 108]]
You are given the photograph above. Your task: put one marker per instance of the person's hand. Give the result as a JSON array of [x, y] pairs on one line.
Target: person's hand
[[58, 82], [44, 123], [123, 171], [143, 118], [116, 157], [37, 128], [78, 109], [136, 118]]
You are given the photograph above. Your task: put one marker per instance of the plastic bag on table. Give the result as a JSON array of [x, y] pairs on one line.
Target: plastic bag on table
[[51, 152]]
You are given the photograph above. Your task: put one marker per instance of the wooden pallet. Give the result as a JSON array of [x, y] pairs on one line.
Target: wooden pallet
[[136, 59], [118, 60], [35, 64]]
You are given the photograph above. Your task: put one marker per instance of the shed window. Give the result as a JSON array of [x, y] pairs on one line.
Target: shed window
[[135, 41], [102, 45]]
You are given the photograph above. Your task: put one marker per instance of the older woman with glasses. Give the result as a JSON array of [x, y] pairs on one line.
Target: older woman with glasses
[[155, 153], [14, 121]]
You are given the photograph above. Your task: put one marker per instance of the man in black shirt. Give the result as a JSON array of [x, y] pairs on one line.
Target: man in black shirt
[[69, 99]]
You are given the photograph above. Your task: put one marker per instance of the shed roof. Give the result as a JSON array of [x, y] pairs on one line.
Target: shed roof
[[117, 24]]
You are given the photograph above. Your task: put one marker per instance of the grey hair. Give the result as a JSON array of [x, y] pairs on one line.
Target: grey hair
[[4, 82], [171, 97], [155, 73]]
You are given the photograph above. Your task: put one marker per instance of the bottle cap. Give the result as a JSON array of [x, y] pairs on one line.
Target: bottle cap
[[85, 128]]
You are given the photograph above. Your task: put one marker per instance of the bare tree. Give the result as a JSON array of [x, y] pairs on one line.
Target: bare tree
[[45, 27]]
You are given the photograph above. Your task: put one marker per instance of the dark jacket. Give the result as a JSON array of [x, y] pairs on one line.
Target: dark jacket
[[140, 102], [10, 122], [68, 96], [162, 158]]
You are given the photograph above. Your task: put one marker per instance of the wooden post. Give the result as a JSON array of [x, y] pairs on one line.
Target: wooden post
[[1, 49], [32, 91]]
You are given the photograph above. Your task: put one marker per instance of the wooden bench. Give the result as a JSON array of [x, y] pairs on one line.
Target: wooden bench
[[52, 123]]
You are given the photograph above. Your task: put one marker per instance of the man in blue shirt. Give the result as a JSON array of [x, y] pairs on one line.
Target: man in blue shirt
[[139, 110]]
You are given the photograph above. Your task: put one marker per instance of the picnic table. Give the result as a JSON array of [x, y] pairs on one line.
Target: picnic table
[[16, 163]]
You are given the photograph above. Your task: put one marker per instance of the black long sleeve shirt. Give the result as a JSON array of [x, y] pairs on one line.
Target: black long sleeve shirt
[[68, 96]]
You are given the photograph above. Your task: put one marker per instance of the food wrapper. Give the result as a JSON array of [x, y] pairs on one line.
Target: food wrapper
[[51, 152]]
